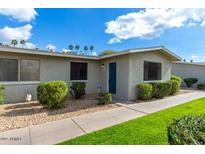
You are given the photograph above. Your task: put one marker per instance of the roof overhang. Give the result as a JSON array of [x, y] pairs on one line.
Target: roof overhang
[[161, 49], [44, 53]]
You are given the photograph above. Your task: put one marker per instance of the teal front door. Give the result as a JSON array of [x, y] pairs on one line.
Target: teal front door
[[112, 78]]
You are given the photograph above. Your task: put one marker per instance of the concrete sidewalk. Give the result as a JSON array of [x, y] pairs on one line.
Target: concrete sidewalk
[[56, 131]]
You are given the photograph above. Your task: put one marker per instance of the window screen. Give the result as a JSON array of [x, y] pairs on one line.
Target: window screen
[[152, 71], [8, 69], [78, 71], [29, 70]]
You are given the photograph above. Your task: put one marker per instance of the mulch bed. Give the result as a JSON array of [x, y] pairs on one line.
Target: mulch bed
[[19, 115]]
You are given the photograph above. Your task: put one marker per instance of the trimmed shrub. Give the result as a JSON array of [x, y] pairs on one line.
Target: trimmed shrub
[[175, 86], [42, 93], [145, 91], [188, 130], [176, 78], [105, 99], [201, 86], [52, 94], [161, 89], [78, 89], [190, 81], [1, 94]]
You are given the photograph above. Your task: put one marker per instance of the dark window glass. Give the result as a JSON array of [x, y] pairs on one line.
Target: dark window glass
[[78, 71], [29, 70], [8, 69], [152, 71]]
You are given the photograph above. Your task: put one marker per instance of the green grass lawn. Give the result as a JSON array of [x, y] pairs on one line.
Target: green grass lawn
[[149, 129]]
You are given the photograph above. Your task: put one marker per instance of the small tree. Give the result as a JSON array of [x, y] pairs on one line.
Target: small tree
[[106, 52], [85, 49], [70, 47], [77, 47], [14, 42], [23, 42], [91, 49]]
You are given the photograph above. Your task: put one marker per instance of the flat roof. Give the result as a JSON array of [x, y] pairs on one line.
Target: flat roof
[[44, 53], [191, 63], [161, 49]]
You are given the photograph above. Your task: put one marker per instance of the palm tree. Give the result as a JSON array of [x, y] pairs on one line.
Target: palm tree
[[14, 42], [85, 49], [71, 47], [91, 49], [23, 42], [77, 47]]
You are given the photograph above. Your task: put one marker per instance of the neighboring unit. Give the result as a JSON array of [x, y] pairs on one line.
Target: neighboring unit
[[21, 70], [188, 70]]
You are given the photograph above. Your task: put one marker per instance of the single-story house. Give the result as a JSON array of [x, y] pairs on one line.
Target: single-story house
[[21, 70], [189, 69]]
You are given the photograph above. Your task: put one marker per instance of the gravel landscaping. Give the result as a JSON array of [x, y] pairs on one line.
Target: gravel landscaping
[[25, 114]]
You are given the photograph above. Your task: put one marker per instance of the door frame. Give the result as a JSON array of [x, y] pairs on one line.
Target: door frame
[[108, 77]]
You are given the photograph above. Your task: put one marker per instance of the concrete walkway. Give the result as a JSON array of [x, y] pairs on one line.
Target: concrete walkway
[[56, 131]]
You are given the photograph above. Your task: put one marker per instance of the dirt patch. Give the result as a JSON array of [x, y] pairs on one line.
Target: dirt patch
[[25, 114]]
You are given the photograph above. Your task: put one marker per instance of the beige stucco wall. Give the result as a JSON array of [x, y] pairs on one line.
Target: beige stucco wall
[[51, 68], [136, 69], [189, 70], [122, 75]]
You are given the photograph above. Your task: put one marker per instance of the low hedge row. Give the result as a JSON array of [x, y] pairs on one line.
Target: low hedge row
[[158, 89], [201, 86], [188, 130], [52, 94]]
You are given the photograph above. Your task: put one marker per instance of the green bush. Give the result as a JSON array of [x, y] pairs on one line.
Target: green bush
[[52, 94], [190, 81], [175, 86], [1, 94], [105, 99], [78, 89], [176, 78], [145, 91], [161, 89], [201, 86], [188, 130]]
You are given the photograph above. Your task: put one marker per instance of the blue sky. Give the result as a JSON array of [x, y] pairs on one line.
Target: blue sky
[[181, 31]]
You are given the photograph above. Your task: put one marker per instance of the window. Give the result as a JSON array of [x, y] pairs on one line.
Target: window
[[29, 70], [152, 71], [8, 69], [78, 71]]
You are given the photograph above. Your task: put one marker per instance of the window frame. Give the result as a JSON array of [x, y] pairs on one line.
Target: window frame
[[19, 71], [71, 71], [160, 78], [11, 58], [39, 76]]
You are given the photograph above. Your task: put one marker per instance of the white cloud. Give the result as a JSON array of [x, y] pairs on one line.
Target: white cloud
[[151, 23], [18, 33], [21, 14], [114, 40], [51, 47], [194, 56], [94, 53], [27, 45]]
